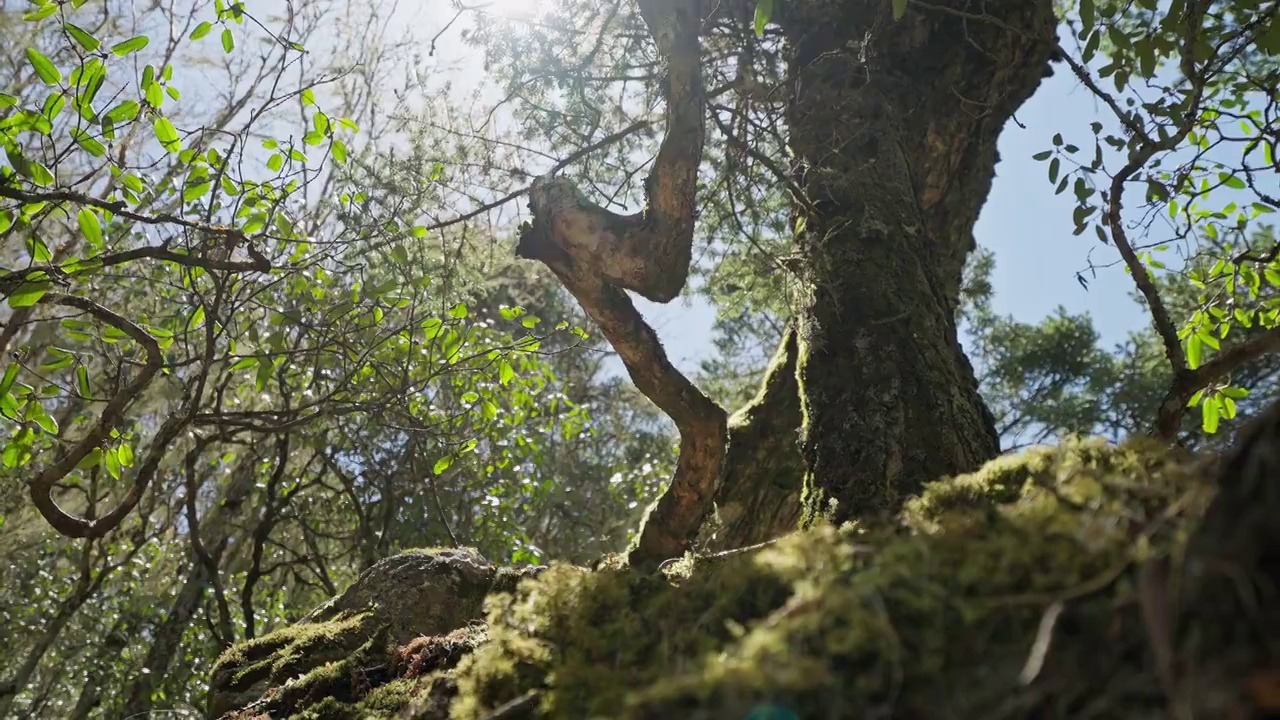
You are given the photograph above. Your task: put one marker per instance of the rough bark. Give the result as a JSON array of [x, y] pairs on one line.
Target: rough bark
[[894, 126], [760, 497], [598, 255]]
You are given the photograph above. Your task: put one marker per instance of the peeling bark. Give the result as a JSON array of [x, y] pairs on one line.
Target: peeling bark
[[598, 255], [894, 127]]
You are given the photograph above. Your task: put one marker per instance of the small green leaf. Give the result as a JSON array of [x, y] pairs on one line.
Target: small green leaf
[[90, 226], [82, 381], [167, 134], [37, 414], [201, 30], [125, 453], [195, 191], [43, 67], [133, 44], [442, 464], [1087, 14], [458, 311], [764, 12], [1195, 352], [505, 372], [112, 462], [228, 40], [83, 37], [90, 460], [899, 9], [1210, 414], [10, 374], [308, 96], [28, 294]]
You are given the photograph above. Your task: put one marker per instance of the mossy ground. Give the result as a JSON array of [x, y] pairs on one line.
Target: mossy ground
[[936, 616], [1014, 592]]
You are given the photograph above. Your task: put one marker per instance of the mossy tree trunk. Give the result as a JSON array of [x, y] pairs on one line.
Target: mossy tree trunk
[[894, 126]]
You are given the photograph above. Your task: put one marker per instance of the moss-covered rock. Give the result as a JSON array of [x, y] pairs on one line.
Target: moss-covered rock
[[1045, 585], [324, 661]]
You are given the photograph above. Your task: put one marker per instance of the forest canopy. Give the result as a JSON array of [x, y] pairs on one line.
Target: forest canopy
[[293, 288]]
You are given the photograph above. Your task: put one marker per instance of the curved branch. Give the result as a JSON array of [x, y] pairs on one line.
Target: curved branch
[[41, 487], [648, 252], [598, 255]]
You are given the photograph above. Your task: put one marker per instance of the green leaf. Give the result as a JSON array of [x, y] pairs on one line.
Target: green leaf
[[308, 96], [1231, 181], [197, 318], [1088, 14], [112, 463], [90, 460], [201, 30], [83, 37], [505, 372], [131, 45], [1042, 156], [88, 143], [43, 67], [167, 134], [28, 294], [10, 374], [7, 100], [196, 191], [899, 9], [1235, 393], [1195, 351], [90, 226], [82, 381], [339, 150], [764, 12], [442, 464], [37, 414], [124, 112], [125, 453], [458, 311], [228, 40], [1210, 413]]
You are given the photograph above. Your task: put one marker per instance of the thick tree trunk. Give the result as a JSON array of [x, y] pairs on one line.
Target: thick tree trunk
[[894, 127]]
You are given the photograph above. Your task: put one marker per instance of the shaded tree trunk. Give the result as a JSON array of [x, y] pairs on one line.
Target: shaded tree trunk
[[894, 127], [760, 496]]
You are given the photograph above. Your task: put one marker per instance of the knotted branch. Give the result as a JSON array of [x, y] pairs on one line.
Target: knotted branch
[[598, 254]]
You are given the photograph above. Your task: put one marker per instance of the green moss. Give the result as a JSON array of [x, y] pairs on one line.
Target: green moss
[[934, 616], [289, 651]]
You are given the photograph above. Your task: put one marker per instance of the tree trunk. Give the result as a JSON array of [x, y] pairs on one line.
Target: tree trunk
[[760, 497], [894, 126]]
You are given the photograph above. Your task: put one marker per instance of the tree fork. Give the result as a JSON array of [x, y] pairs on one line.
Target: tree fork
[[894, 126]]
